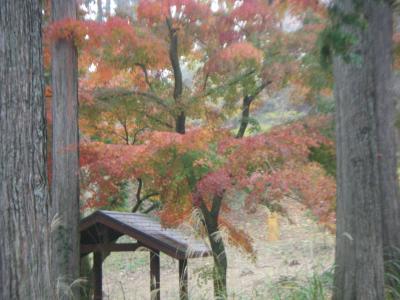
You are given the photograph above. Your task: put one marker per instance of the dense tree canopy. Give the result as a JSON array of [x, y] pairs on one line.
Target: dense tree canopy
[[158, 90]]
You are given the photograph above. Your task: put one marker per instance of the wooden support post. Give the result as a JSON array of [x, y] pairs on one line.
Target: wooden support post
[[155, 274], [183, 280], [98, 275]]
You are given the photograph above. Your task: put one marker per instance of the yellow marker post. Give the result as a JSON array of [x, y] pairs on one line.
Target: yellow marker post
[[273, 227]]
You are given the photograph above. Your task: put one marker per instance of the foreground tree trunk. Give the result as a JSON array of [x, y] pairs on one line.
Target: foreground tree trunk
[[24, 196], [387, 162], [367, 198], [65, 150]]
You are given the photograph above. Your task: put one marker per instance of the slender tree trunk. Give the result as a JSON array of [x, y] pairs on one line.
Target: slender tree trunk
[[367, 203], [244, 121], [108, 8], [99, 17], [24, 196], [180, 119], [65, 150], [180, 123], [217, 247], [247, 101]]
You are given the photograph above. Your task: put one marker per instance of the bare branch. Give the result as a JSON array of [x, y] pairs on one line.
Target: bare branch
[[146, 76]]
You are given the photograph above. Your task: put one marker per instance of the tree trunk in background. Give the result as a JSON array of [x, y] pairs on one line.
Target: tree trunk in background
[[180, 123], [367, 203], [108, 8], [24, 196], [180, 119], [99, 17], [65, 149]]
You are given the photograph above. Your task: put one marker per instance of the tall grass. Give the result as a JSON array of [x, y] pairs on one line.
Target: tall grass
[[315, 287], [392, 275]]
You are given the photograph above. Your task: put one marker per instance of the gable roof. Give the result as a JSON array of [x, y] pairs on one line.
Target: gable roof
[[147, 231]]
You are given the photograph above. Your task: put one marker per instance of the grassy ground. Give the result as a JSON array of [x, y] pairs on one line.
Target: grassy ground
[[283, 269]]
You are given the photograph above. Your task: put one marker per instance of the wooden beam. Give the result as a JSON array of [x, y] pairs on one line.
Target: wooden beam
[[98, 276], [155, 275], [183, 280], [112, 247]]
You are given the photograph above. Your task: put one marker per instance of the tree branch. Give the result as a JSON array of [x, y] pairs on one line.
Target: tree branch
[[139, 198], [152, 207], [161, 122], [247, 100], [138, 195], [135, 135], [146, 76], [118, 92], [224, 86]]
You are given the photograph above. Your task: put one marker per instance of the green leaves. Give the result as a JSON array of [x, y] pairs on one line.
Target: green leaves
[[340, 37]]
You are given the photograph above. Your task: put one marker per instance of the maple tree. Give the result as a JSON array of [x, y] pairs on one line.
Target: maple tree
[[203, 168], [183, 59], [179, 57]]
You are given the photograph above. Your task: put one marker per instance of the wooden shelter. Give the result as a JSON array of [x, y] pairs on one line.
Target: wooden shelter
[[100, 230]]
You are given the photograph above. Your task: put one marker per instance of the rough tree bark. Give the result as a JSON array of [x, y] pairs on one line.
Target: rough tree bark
[[367, 198], [24, 196], [386, 119], [65, 150]]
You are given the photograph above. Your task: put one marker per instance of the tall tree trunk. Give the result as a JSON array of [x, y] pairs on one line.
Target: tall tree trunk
[[24, 196], [217, 247], [180, 119], [386, 120], [367, 203], [108, 8], [99, 17], [65, 150]]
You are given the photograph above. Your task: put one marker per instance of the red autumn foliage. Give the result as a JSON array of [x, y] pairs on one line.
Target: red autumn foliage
[[185, 11], [187, 168], [203, 163], [233, 56]]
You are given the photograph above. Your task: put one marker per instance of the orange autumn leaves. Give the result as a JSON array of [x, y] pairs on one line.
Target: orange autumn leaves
[[110, 47], [181, 167], [234, 56], [266, 167]]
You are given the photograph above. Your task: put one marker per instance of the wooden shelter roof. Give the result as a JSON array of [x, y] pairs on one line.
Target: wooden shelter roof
[[104, 226]]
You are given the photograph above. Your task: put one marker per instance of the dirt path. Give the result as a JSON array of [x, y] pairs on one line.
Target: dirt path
[[302, 249]]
